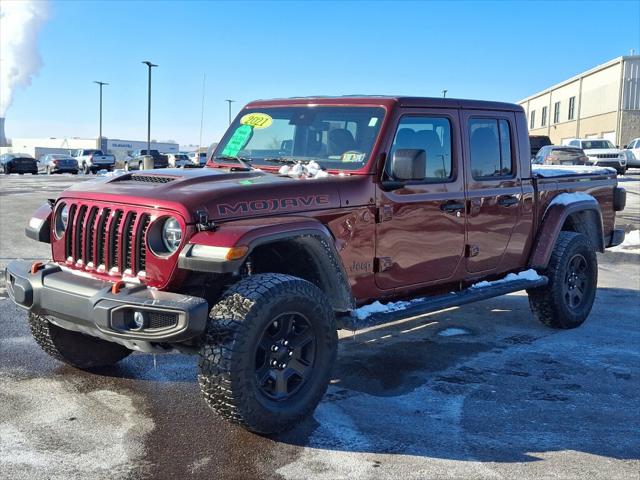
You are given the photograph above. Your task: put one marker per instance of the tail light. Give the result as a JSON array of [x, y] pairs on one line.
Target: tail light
[[584, 159], [56, 162]]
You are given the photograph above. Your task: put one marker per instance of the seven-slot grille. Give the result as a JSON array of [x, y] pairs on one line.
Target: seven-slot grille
[[606, 155], [107, 238]]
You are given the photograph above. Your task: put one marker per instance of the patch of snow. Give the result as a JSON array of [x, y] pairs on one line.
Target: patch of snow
[[530, 274], [115, 173], [452, 332], [299, 170], [631, 243], [377, 307], [568, 198], [562, 170]]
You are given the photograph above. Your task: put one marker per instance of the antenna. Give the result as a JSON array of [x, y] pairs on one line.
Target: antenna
[[204, 79]]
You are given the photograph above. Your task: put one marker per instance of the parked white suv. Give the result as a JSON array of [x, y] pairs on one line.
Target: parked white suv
[[600, 152], [633, 153]]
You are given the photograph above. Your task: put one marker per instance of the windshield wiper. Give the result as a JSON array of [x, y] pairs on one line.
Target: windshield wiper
[[287, 160], [243, 161]]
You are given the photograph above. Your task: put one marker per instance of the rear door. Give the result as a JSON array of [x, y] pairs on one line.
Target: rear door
[[420, 226], [494, 189]]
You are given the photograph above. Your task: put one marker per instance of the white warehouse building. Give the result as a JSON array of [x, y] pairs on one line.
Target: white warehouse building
[[603, 102], [120, 148]]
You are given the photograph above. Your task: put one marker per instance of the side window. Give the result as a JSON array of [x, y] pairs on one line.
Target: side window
[[574, 143], [490, 148], [431, 134]]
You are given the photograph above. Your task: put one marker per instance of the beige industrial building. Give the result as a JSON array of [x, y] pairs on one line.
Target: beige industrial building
[[603, 102]]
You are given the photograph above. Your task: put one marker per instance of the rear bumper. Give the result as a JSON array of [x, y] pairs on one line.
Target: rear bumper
[[88, 305]]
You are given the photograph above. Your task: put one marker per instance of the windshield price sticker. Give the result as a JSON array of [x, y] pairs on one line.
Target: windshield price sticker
[[352, 157], [257, 120], [238, 140]]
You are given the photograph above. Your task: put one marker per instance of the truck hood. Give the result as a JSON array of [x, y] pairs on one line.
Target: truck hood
[[222, 193]]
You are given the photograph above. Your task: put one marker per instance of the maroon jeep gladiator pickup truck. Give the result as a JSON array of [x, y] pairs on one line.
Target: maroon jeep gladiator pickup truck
[[308, 209]]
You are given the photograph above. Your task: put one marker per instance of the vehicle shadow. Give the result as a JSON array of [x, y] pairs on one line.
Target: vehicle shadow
[[507, 391]]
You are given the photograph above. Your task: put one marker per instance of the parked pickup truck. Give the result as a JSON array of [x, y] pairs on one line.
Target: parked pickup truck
[[308, 210], [91, 160], [137, 162]]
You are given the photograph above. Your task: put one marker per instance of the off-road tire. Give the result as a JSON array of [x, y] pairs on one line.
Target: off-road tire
[[549, 303], [227, 374], [74, 348]]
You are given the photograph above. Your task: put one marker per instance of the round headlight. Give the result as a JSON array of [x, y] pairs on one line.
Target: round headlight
[[62, 219], [171, 234]]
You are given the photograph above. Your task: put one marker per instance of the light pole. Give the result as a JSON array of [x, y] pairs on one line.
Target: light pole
[[100, 84], [229, 102], [150, 65], [444, 93]]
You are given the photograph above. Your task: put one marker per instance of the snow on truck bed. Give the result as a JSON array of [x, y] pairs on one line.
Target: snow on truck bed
[[547, 171]]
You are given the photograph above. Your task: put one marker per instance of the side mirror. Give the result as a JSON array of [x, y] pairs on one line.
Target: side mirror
[[625, 146], [408, 164]]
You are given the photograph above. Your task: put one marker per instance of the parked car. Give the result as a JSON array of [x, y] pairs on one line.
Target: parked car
[[198, 159], [254, 267], [18, 163], [536, 142], [137, 162], [560, 155], [632, 152], [601, 152], [92, 160], [58, 163], [179, 160]]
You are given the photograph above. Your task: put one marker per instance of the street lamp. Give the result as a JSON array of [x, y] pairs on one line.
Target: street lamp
[[230, 102], [100, 84], [444, 93], [150, 65]]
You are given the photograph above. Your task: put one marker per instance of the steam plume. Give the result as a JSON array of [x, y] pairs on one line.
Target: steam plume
[[20, 22]]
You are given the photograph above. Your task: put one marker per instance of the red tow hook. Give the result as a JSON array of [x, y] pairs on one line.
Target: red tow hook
[[116, 287], [36, 266]]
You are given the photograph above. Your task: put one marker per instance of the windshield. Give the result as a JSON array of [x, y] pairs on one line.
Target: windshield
[[339, 138], [596, 144]]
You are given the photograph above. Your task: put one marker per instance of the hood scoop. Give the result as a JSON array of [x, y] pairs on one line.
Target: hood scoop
[[137, 177]]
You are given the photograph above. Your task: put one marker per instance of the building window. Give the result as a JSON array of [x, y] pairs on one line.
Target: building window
[[490, 148], [572, 107], [556, 112], [543, 120], [533, 119]]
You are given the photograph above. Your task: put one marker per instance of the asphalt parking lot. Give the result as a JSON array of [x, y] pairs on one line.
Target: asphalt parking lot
[[480, 391]]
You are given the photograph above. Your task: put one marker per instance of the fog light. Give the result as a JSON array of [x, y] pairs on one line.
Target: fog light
[[138, 320]]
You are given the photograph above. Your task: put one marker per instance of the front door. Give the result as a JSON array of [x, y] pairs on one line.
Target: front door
[[494, 189], [420, 226]]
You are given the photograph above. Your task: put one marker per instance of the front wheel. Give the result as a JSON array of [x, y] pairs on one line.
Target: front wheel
[[566, 301], [74, 348], [270, 345]]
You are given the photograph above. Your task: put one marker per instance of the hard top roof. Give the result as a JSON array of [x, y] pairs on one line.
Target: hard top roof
[[389, 100]]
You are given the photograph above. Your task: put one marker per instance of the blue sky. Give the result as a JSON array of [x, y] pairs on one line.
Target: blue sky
[[486, 50]]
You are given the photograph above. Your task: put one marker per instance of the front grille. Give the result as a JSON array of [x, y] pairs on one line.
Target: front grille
[[107, 238], [151, 179], [607, 155]]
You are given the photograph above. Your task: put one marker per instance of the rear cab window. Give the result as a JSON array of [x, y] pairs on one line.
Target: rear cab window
[[490, 152]]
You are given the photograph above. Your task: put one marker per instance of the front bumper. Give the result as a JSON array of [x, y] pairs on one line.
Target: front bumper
[[89, 306]]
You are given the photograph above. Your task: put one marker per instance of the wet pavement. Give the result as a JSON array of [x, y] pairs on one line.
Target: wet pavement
[[481, 391]]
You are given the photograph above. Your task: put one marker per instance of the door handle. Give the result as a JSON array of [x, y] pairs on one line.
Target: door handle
[[452, 206], [508, 200]]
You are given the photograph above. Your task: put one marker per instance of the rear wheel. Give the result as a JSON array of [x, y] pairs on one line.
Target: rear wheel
[[270, 346], [74, 348], [566, 301]]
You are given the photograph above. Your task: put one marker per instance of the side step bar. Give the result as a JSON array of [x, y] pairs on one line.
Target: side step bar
[[440, 302]]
